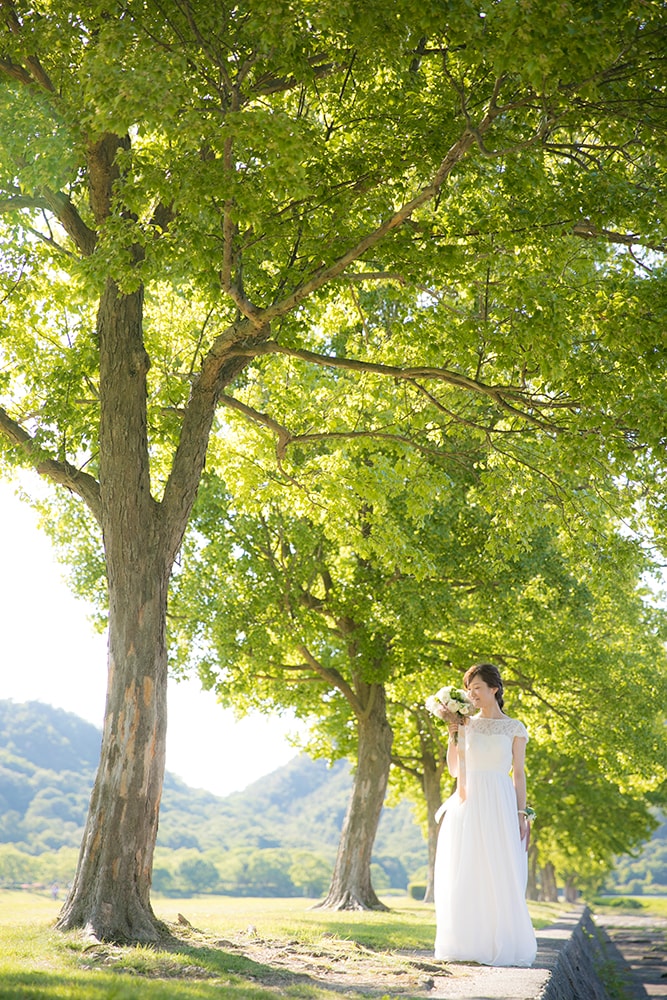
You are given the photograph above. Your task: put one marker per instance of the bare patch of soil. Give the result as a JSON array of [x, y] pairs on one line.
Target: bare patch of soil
[[330, 962], [343, 964]]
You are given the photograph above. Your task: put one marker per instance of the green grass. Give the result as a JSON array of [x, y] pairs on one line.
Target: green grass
[[232, 949], [655, 906], [409, 924]]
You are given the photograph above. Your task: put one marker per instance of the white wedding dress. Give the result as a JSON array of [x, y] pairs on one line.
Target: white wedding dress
[[481, 862]]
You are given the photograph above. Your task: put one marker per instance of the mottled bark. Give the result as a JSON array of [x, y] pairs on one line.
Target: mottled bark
[[110, 896], [351, 887]]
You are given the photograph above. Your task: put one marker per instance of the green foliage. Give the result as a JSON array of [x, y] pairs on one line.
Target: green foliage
[[620, 903], [276, 130]]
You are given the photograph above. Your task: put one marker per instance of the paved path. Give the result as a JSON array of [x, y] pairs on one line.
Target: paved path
[[629, 949], [640, 942], [550, 978]]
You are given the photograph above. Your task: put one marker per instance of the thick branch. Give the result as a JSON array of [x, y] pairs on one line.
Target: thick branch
[[62, 473], [35, 72], [333, 678], [499, 394], [59, 205], [587, 230], [220, 367], [283, 435], [286, 438], [326, 274], [15, 71], [69, 218], [17, 202]]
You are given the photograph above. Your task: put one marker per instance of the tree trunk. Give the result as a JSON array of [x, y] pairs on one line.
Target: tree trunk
[[110, 895], [549, 889], [570, 891], [532, 891], [351, 887]]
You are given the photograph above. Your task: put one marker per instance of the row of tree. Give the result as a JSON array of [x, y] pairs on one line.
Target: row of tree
[[645, 871], [239, 872], [370, 298]]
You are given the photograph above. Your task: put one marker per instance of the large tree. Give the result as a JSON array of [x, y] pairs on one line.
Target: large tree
[[178, 183], [291, 602]]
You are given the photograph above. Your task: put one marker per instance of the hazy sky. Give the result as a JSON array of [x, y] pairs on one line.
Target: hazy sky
[[49, 651]]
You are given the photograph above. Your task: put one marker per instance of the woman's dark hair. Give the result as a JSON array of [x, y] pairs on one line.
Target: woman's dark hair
[[490, 675]]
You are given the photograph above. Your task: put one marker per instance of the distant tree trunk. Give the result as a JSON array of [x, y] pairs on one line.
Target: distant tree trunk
[[571, 892], [110, 895], [532, 891], [351, 887], [548, 887]]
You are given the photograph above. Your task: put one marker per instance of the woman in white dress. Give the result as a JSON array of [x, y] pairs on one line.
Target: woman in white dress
[[481, 862]]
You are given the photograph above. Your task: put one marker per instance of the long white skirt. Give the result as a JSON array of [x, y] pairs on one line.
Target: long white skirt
[[480, 878]]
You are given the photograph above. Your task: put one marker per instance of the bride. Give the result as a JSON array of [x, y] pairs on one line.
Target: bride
[[481, 862]]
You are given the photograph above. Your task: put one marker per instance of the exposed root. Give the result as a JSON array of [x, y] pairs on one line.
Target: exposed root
[[350, 900]]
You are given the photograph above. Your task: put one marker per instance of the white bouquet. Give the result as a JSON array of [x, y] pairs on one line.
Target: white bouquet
[[455, 700]]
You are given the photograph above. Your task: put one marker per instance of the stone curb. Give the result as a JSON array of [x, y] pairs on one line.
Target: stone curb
[[575, 974]]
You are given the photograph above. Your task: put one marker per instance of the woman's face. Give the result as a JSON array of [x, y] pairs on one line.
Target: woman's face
[[481, 695]]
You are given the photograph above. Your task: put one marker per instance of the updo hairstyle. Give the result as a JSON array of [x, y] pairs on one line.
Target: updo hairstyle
[[490, 675]]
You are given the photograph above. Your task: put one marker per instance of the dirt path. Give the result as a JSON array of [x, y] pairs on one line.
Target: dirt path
[[343, 965]]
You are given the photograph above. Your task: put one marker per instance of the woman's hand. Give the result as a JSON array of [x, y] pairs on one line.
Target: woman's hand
[[524, 826], [451, 718]]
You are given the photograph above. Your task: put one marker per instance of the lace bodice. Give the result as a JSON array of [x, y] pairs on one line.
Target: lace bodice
[[498, 727], [489, 743]]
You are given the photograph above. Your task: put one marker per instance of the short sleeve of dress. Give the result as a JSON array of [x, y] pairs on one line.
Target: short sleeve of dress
[[520, 730]]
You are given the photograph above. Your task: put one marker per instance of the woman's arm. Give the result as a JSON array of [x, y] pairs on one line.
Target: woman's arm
[[519, 779], [452, 752]]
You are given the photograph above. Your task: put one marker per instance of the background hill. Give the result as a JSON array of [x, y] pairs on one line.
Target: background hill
[[278, 836]]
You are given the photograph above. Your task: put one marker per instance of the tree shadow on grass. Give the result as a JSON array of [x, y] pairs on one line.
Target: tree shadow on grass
[[119, 986], [251, 983], [385, 934]]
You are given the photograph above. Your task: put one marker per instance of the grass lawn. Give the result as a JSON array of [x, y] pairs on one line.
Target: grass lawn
[[655, 906], [229, 949]]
